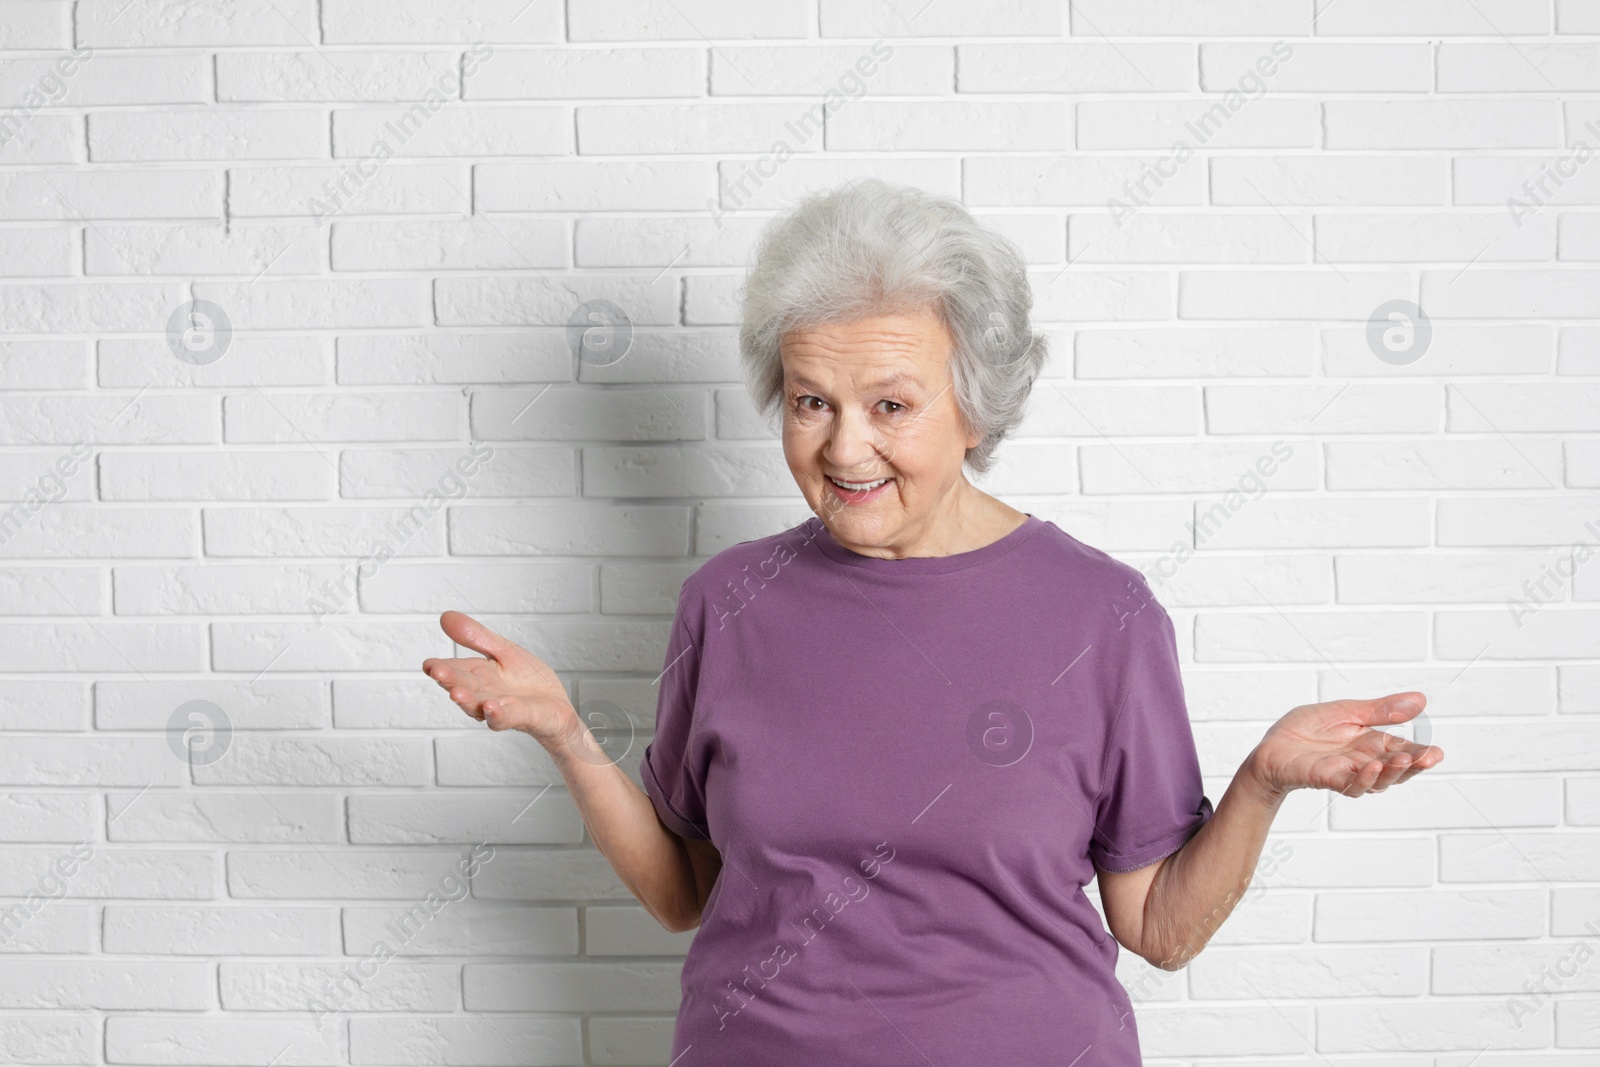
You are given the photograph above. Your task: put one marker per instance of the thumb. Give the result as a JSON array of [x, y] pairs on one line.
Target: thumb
[[468, 632], [1395, 708]]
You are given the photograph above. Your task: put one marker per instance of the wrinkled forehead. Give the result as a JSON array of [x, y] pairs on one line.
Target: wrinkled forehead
[[877, 353]]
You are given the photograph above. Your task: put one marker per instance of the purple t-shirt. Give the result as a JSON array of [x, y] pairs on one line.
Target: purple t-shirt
[[909, 767]]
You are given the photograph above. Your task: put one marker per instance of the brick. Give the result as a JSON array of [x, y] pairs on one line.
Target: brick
[[1484, 578], [1141, 18], [1209, 468], [648, 185], [451, 129], [1195, 352], [695, 20], [1486, 464], [357, 875], [202, 250], [211, 816], [544, 588], [37, 24], [1189, 238], [451, 358], [123, 985], [219, 1039], [142, 23], [344, 191], [424, 1040], [472, 930], [1524, 67], [321, 531], [36, 251], [1137, 124], [216, 476], [1325, 178], [1527, 407], [701, 128], [508, 472], [1441, 18], [962, 125], [1454, 350], [87, 307], [440, 818], [347, 646], [1310, 637], [394, 987], [1317, 67], [488, 300], [320, 303], [1409, 238], [100, 646], [1323, 409], [223, 931], [302, 418], [409, 21], [336, 76], [1290, 294], [1526, 293], [37, 590], [562, 986], [212, 134], [249, 360], [1414, 124], [35, 365], [1074, 68], [589, 73], [110, 193]]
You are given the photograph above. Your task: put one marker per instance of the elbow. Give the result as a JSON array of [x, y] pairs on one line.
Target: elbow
[[1172, 959], [679, 926], [676, 923]]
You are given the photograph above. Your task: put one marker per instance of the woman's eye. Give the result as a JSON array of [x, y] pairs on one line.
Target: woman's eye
[[804, 403]]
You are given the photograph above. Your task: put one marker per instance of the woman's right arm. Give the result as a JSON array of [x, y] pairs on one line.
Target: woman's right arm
[[670, 875], [512, 689]]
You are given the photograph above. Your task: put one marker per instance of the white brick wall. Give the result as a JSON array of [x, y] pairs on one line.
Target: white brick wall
[[398, 250]]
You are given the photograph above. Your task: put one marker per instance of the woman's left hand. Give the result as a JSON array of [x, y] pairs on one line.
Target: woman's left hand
[[1333, 746]]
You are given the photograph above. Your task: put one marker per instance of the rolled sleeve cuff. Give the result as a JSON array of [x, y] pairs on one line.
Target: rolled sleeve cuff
[[670, 816], [1123, 862]]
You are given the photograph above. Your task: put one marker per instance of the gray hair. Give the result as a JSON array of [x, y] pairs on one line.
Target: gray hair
[[869, 248]]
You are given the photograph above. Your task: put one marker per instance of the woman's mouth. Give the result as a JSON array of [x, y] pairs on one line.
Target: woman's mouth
[[857, 492]]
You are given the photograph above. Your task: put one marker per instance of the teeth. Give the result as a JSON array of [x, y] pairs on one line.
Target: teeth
[[857, 486]]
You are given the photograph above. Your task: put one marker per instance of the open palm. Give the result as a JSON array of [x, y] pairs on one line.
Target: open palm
[[1334, 745], [512, 689]]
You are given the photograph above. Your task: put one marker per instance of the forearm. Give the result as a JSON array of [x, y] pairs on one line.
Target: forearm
[[650, 859], [1199, 885]]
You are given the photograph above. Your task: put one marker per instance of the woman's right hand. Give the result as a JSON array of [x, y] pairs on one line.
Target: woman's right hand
[[510, 690]]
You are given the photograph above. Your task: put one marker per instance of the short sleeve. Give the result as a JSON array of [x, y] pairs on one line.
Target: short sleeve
[[672, 769], [1152, 800]]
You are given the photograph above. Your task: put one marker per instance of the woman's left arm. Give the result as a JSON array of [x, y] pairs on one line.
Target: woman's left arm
[[1167, 911]]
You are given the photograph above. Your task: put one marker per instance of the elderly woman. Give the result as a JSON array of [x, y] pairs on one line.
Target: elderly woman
[[894, 742]]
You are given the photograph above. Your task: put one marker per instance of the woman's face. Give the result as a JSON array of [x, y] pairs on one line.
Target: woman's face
[[872, 400]]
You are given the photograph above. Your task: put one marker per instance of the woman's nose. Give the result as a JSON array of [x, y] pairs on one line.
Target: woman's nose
[[853, 446]]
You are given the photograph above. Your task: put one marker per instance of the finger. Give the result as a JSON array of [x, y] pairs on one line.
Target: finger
[[448, 672], [468, 632], [496, 714], [1363, 778], [1393, 767], [1431, 756], [469, 701]]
